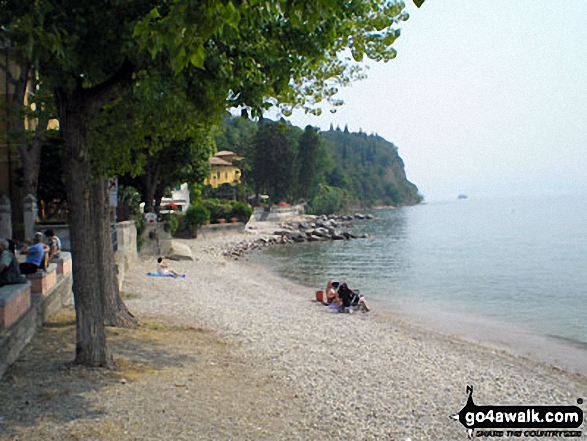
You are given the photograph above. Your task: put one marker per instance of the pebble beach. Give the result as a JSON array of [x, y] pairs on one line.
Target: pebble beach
[[294, 369], [363, 375]]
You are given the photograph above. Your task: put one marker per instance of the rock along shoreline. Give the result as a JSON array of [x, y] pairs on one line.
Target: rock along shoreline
[[304, 229]]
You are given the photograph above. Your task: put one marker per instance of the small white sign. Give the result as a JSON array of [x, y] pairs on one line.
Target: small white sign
[[113, 192]]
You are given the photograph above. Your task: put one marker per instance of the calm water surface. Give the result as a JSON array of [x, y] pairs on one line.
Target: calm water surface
[[508, 271]]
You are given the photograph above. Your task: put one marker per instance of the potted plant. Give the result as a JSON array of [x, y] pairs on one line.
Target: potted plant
[[195, 216]]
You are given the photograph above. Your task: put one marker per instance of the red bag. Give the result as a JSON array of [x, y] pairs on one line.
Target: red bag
[[320, 296]]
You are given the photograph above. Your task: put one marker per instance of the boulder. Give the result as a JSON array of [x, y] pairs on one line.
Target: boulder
[[322, 232], [297, 236], [179, 251]]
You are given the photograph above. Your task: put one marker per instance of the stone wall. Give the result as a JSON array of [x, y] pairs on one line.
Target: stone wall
[[14, 338], [126, 239], [60, 297], [17, 334], [220, 229], [126, 251], [277, 214], [156, 241]]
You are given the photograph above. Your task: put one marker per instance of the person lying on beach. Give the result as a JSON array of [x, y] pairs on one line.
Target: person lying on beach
[[164, 270]]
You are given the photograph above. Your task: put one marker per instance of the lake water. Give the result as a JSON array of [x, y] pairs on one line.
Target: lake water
[[511, 273]]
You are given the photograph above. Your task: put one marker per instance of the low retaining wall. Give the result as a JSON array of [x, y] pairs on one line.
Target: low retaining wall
[[276, 213], [220, 229], [16, 336], [156, 241], [43, 281], [126, 239], [126, 250], [15, 300], [64, 264]]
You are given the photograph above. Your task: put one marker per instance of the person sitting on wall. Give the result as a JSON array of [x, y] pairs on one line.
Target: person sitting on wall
[[36, 257], [54, 244], [9, 270]]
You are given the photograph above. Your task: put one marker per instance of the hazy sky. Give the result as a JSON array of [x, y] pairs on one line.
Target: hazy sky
[[486, 97]]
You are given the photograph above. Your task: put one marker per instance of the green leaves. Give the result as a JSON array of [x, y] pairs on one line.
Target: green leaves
[[419, 3]]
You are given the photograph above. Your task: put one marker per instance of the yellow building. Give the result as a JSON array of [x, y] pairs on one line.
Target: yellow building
[[222, 170]]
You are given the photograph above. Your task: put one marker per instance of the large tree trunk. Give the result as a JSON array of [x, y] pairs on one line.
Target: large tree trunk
[[94, 279], [150, 179], [159, 193], [91, 348], [30, 155], [115, 311]]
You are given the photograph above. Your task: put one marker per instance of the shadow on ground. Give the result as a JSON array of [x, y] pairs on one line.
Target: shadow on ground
[[43, 385]]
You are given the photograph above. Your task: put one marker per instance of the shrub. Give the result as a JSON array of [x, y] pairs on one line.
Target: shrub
[[330, 201], [172, 224], [140, 225], [241, 211], [217, 209], [197, 214]]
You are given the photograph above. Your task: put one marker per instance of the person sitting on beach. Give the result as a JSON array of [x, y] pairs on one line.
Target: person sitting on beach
[[9, 270], [54, 245], [331, 295], [36, 258], [349, 298], [164, 270]]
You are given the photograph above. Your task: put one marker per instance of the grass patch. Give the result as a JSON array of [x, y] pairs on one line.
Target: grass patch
[[130, 295]]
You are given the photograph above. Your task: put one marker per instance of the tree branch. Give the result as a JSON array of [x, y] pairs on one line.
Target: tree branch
[[8, 74], [110, 89]]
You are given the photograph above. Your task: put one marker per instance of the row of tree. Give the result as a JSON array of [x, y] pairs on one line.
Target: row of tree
[[293, 165], [130, 78]]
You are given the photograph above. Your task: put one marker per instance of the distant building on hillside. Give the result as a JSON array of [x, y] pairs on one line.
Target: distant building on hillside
[[222, 170]]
